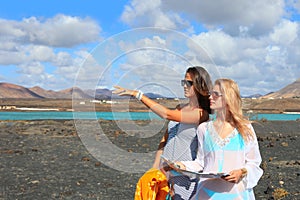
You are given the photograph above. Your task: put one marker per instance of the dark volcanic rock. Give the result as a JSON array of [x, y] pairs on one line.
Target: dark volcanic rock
[[47, 160]]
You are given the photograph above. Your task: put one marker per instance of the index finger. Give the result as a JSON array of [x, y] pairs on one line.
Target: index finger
[[117, 87], [227, 177]]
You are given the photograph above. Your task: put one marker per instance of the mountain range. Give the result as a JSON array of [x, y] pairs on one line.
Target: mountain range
[[13, 91], [290, 91]]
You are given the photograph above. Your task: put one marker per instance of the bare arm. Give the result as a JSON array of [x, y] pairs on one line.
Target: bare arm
[[160, 150], [190, 117]]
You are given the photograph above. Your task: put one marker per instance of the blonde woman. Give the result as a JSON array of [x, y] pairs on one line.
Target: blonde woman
[[227, 144]]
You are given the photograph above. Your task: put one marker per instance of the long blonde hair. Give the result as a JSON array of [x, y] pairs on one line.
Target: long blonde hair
[[234, 113]]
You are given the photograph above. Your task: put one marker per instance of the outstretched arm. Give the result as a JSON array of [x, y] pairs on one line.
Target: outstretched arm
[[191, 117]]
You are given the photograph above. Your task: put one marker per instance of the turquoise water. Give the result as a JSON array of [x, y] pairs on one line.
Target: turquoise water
[[275, 117], [119, 116], [78, 115]]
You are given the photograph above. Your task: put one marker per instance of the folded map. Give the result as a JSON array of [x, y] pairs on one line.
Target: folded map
[[192, 174]]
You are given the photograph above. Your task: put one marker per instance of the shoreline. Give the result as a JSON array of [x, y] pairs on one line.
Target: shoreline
[[249, 105], [31, 109], [134, 116], [46, 159]]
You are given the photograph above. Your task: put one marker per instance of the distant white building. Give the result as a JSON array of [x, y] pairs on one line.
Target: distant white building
[[95, 101], [109, 102], [7, 107]]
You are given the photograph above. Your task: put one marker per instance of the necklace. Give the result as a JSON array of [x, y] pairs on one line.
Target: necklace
[[216, 134], [223, 128]]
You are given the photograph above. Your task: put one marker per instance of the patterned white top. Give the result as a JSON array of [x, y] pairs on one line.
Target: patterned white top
[[182, 144], [224, 155]]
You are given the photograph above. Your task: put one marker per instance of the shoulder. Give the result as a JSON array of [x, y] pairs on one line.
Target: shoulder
[[202, 129], [203, 126], [172, 124], [250, 127], [251, 133]]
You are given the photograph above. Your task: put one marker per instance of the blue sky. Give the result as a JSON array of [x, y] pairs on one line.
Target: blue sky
[[149, 44]]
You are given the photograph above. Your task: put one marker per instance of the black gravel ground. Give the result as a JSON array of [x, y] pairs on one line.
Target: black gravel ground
[[47, 160]]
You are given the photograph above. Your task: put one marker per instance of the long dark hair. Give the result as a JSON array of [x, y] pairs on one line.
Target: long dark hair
[[202, 84]]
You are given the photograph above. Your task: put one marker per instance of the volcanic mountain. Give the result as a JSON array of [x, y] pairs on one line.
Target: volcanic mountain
[[290, 91], [8, 90]]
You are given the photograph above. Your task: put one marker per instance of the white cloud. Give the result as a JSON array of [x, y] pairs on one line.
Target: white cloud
[[254, 42], [148, 61], [220, 46], [260, 64], [41, 53], [12, 57], [59, 31], [32, 74], [63, 59], [235, 17], [285, 33], [34, 69], [150, 13], [256, 17], [26, 53], [31, 45]]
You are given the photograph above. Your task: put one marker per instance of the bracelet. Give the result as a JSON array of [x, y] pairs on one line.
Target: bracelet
[[139, 95], [244, 172]]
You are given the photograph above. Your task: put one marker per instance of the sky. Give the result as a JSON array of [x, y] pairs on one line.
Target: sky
[[148, 45]]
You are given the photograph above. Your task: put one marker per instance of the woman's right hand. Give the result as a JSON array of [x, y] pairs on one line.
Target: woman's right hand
[[123, 91]]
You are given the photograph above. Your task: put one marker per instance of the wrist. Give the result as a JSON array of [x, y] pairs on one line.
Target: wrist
[[139, 95], [244, 172]]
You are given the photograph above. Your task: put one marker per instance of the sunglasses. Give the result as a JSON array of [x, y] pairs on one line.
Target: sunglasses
[[215, 94], [187, 83]]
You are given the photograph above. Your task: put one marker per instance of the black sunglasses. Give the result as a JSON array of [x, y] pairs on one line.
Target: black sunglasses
[[187, 83], [215, 94]]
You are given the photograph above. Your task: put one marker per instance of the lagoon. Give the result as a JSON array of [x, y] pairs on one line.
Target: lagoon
[[77, 115], [52, 115]]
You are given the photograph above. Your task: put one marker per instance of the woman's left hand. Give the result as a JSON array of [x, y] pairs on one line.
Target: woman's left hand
[[234, 176], [180, 165]]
